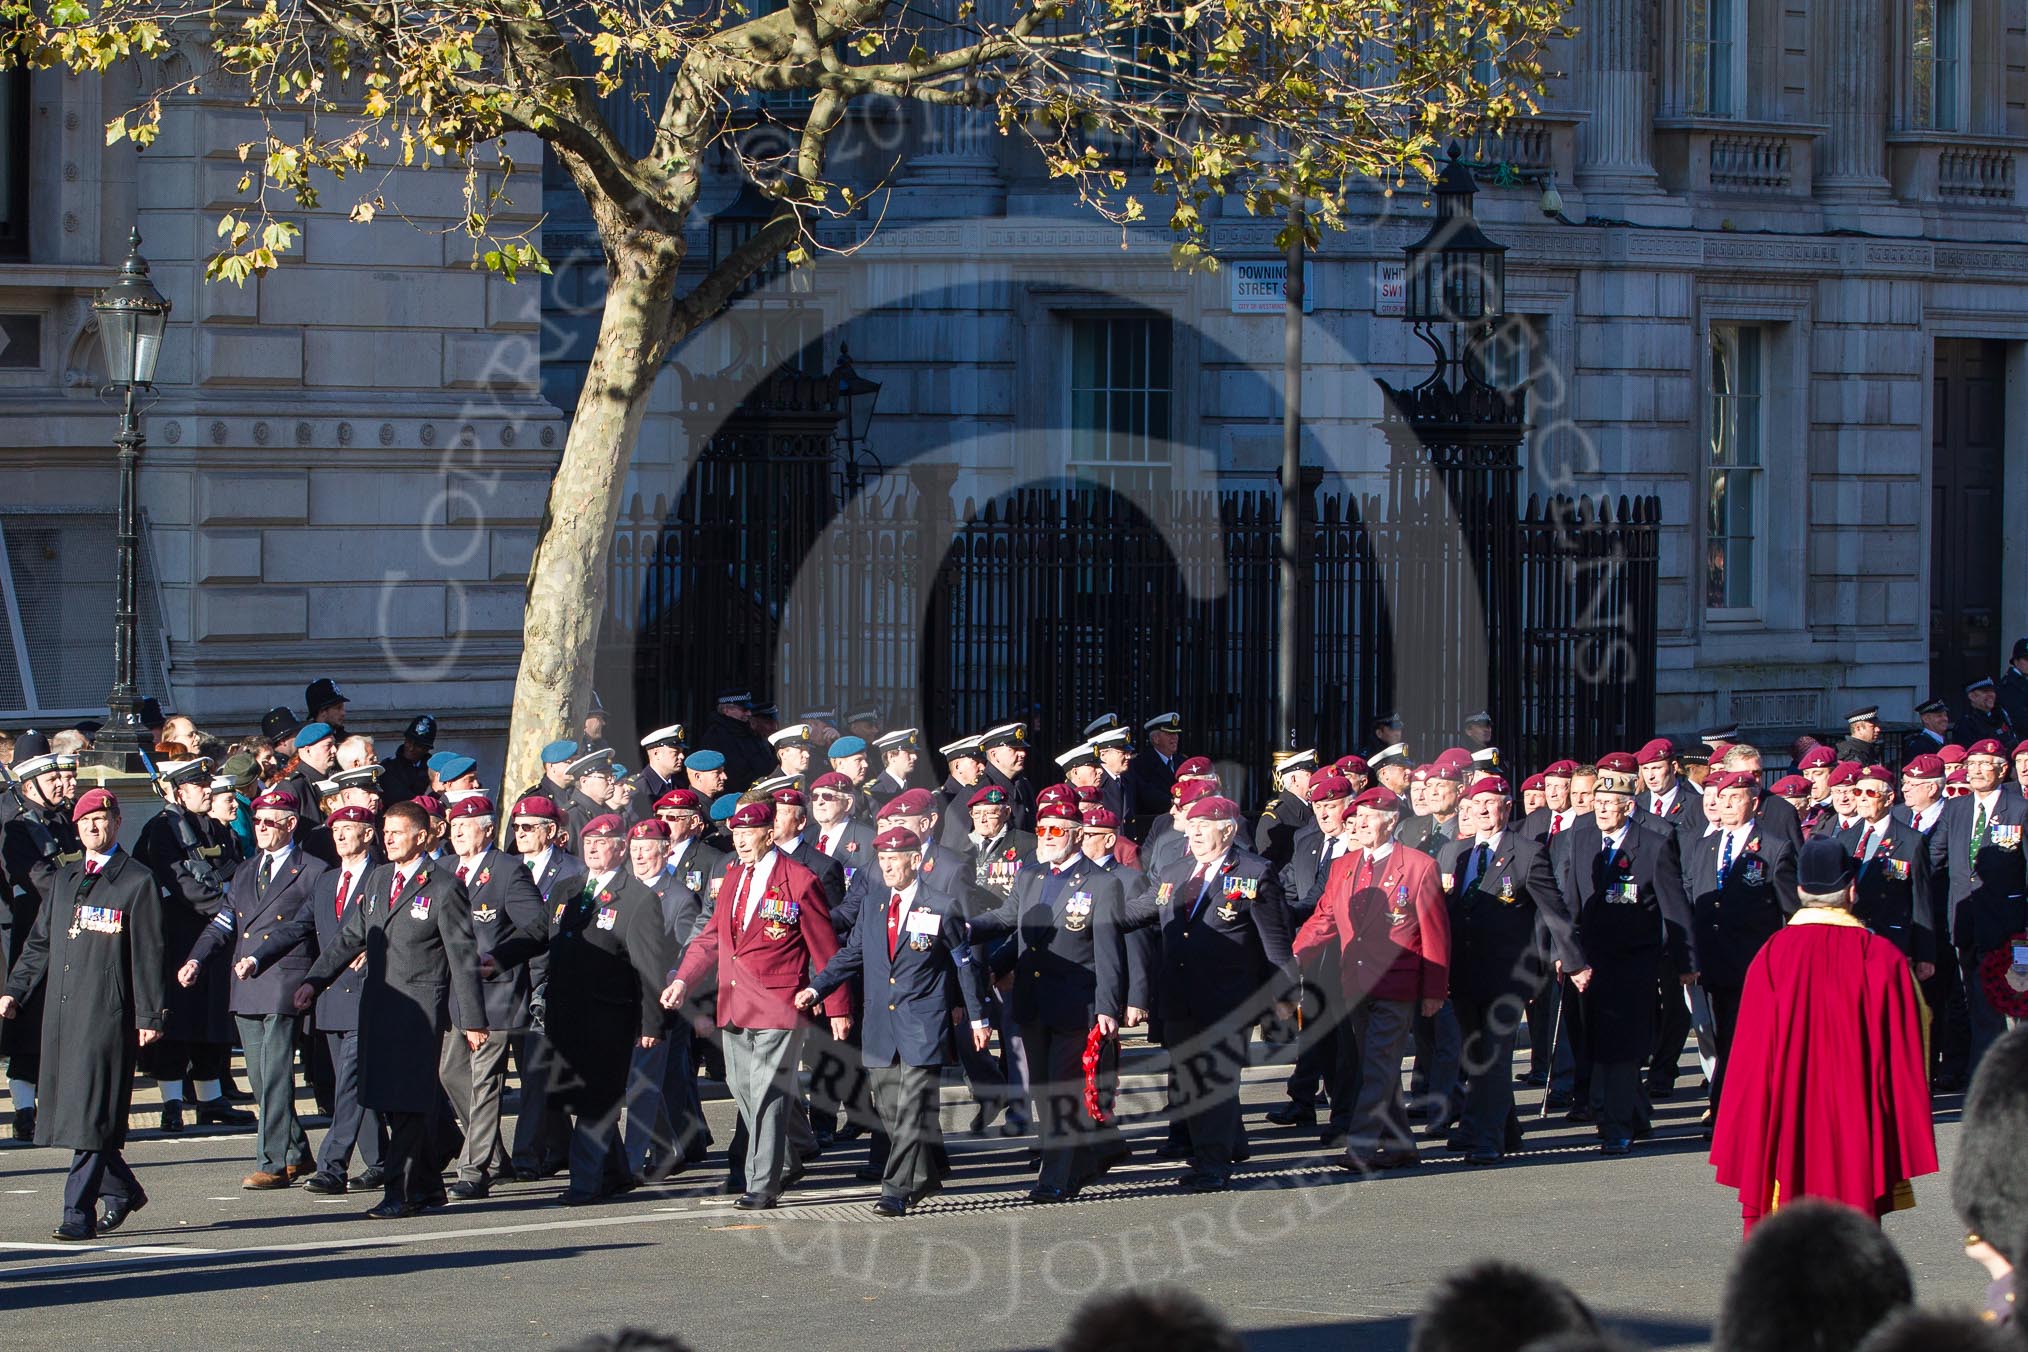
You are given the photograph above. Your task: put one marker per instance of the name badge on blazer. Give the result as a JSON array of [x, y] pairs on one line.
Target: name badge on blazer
[[924, 922]]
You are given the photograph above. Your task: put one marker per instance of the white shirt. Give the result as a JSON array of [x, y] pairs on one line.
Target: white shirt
[[402, 874], [96, 863], [755, 885], [1660, 803], [1378, 855], [538, 861], [1926, 817], [1991, 801], [276, 858], [1739, 835], [1873, 832], [1613, 841], [471, 865], [602, 881]]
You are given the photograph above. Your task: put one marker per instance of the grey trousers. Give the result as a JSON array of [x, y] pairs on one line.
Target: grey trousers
[[665, 1116], [760, 1070], [1384, 1029], [270, 1042], [475, 1080], [907, 1099]]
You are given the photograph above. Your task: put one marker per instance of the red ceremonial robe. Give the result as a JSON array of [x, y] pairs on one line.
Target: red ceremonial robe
[[1826, 1091]]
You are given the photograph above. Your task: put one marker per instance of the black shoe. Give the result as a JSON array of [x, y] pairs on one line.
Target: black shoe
[[74, 1231], [234, 1094], [1659, 1090], [393, 1211], [370, 1178], [572, 1197], [1293, 1115], [218, 1113], [1619, 1145], [1536, 1078], [1559, 1099], [1203, 1182], [695, 1154], [1580, 1113], [756, 1201], [826, 1137], [1483, 1157], [1644, 1131], [1173, 1149], [869, 1173], [116, 1212], [1108, 1163], [890, 1207], [172, 1116], [1042, 1192], [1334, 1136], [1457, 1142], [926, 1191], [524, 1174], [24, 1125], [792, 1176], [470, 1189], [1514, 1137], [326, 1185]]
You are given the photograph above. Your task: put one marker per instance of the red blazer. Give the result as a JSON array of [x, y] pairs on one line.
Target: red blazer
[[1393, 937], [760, 967]]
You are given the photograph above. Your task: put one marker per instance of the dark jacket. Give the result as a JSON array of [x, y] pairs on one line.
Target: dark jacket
[[36, 843], [910, 994], [1734, 917], [1496, 948], [95, 955], [504, 901], [1957, 876], [252, 917], [1893, 896], [1274, 836], [1226, 953], [1068, 961], [193, 859], [1629, 917], [418, 946], [315, 929]]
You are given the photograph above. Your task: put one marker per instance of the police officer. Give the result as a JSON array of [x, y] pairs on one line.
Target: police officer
[[663, 749], [1288, 812], [192, 857], [96, 956], [406, 775], [1861, 742], [913, 957], [1934, 734], [729, 732], [1224, 956], [1983, 717], [37, 842], [269, 892], [324, 702]]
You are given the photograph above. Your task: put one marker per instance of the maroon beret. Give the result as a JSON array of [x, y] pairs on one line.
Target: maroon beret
[[1420, 774], [608, 824], [1379, 797], [1562, 769], [1090, 793], [1987, 747], [908, 803], [1487, 784], [2021, 750], [1736, 779], [680, 800], [359, 816], [751, 814], [653, 828], [1188, 791], [896, 839], [1059, 810], [1063, 791], [1957, 776], [832, 779], [991, 795], [1328, 786], [787, 797], [478, 805], [1196, 767], [1877, 773], [1791, 786], [1456, 758], [429, 803], [94, 800], [1449, 770], [1213, 808], [1099, 817], [1620, 763], [1924, 767], [278, 800], [1951, 754], [1532, 784], [1847, 772], [1660, 749], [1351, 765], [1817, 757], [535, 807]]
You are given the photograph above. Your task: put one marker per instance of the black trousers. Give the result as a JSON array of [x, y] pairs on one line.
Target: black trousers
[[177, 1059], [1208, 1060], [1056, 1088], [1724, 1018], [1619, 1099], [1489, 1028], [541, 1132], [95, 1174], [1672, 1028], [1950, 1026], [351, 1123], [419, 1145]]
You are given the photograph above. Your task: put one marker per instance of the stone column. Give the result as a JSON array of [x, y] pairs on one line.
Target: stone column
[[1851, 74], [1616, 84], [955, 171]]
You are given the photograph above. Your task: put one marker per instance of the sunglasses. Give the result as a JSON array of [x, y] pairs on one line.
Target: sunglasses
[[529, 826], [829, 797], [1051, 832], [1869, 793], [1956, 790], [273, 823]]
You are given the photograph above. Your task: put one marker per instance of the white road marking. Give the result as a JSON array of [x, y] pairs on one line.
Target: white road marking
[[151, 1249]]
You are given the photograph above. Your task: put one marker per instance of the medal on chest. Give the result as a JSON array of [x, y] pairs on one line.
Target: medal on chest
[[1077, 912], [1398, 910], [419, 909], [1237, 892], [1165, 894], [694, 879], [608, 916], [97, 920], [2006, 837], [779, 913]]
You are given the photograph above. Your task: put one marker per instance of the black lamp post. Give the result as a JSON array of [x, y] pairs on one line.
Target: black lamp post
[[857, 396], [132, 317]]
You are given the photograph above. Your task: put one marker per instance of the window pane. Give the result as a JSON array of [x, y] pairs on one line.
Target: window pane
[[1120, 386]]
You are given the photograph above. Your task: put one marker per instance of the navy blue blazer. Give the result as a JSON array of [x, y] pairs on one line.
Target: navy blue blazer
[[1069, 959], [907, 1019], [249, 919], [316, 929], [1222, 956], [1991, 918], [504, 900]]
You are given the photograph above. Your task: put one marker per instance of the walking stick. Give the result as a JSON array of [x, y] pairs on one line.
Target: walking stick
[[1549, 1069]]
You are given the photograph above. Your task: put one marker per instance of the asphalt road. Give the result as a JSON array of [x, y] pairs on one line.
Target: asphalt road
[[1303, 1255]]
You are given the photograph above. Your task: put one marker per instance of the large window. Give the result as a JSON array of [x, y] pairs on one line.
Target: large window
[[56, 615], [14, 137], [1713, 31], [1935, 64], [1736, 424], [1121, 396]]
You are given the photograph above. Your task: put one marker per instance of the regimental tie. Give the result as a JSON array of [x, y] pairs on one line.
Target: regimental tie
[[1980, 828], [1555, 823], [1865, 843], [267, 873], [344, 889], [893, 924], [1478, 868], [461, 873], [1725, 858]]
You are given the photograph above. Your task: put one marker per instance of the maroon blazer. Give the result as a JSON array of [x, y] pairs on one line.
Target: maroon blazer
[[1392, 937], [760, 967]]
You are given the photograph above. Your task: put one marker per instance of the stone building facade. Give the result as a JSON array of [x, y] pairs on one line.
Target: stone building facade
[[1787, 292]]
